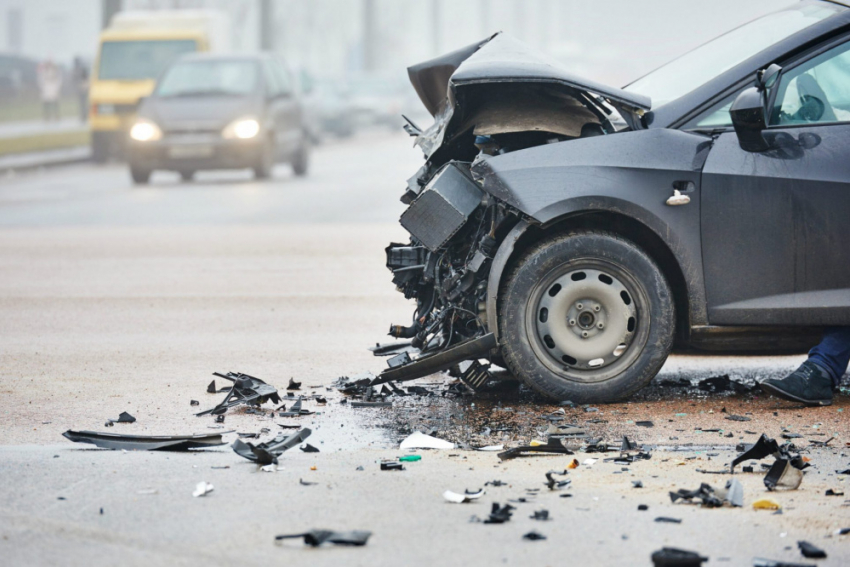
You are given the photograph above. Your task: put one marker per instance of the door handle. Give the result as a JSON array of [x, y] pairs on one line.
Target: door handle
[[677, 199]]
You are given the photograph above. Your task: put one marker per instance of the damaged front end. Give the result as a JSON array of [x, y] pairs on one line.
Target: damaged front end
[[488, 99]]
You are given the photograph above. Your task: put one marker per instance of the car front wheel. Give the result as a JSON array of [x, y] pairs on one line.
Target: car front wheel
[[587, 317]]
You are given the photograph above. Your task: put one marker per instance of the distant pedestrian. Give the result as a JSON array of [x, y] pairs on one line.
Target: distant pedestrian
[[50, 87], [80, 76]]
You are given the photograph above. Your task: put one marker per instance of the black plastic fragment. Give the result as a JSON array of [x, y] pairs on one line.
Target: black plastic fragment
[[810, 551], [534, 536], [724, 384], [295, 410], [293, 385], [831, 492], [733, 417], [219, 418], [644, 424], [555, 484], [371, 404], [553, 445], [211, 388], [124, 418], [303, 482], [245, 390], [643, 507], [542, 515], [667, 520], [766, 447], [307, 448], [145, 442], [316, 538], [267, 453], [672, 557], [194, 403], [499, 514], [391, 466]]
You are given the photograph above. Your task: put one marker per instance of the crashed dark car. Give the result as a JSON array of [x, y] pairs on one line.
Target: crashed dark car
[[577, 233]]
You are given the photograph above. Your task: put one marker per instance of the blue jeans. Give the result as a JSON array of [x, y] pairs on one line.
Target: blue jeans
[[833, 352]]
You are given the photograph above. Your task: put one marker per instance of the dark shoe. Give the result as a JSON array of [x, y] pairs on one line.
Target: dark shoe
[[809, 384]]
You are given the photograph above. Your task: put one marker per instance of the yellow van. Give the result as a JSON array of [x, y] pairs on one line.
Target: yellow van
[[135, 48]]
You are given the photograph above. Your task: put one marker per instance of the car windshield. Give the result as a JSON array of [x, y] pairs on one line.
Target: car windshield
[[140, 60], [214, 77], [697, 67]]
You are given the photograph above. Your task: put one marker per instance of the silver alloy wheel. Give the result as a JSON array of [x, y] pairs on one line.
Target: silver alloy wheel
[[585, 319]]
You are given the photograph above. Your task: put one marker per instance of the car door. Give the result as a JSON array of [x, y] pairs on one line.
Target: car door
[[775, 225]]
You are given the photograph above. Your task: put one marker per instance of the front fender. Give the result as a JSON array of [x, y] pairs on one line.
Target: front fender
[[629, 174]]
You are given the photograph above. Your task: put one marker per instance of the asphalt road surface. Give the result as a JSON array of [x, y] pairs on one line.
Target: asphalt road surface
[[120, 298]]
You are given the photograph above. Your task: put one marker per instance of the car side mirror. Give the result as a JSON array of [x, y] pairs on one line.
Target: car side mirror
[[750, 119]]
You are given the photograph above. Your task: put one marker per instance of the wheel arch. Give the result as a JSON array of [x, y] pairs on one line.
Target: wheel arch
[[525, 234]]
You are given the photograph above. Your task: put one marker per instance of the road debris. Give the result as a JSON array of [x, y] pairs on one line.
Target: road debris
[[534, 536], [294, 411], [832, 492], [542, 515], [810, 551], [410, 458], [145, 442], [391, 466], [724, 384], [467, 496], [124, 417], [246, 390], [371, 404], [761, 562], [732, 493], [766, 504], [499, 514], [419, 440], [303, 482], [554, 445], [202, 489], [783, 475], [673, 557], [293, 385], [307, 448], [553, 484], [667, 520], [315, 538], [732, 417], [267, 453]]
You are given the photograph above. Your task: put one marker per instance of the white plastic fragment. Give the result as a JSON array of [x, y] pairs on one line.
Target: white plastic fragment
[[588, 462], [202, 489], [269, 468], [461, 498], [147, 491], [491, 448], [419, 440]]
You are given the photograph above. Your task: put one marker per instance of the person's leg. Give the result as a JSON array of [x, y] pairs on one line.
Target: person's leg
[[833, 353], [813, 382]]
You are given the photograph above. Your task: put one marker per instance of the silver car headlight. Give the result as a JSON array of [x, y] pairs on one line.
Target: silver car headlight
[[242, 129], [145, 131]]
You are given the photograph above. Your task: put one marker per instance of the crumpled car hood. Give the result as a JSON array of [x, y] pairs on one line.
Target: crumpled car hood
[[441, 83]]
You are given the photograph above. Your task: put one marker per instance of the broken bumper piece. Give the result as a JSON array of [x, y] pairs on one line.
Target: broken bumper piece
[[267, 453], [145, 442], [429, 364]]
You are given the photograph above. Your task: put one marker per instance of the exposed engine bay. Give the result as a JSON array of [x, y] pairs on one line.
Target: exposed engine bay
[[489, 99]]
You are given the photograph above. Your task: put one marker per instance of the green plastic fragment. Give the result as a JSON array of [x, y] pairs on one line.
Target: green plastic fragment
[[681, 414], [410, 458]]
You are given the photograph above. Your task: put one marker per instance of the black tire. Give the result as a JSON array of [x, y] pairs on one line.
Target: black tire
[[602, 291], [301, 161], [187, 175], [140, 175], [265, 163]]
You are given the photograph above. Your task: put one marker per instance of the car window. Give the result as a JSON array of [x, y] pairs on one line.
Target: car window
[[715, 117], [816, 91], [209, 77]]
